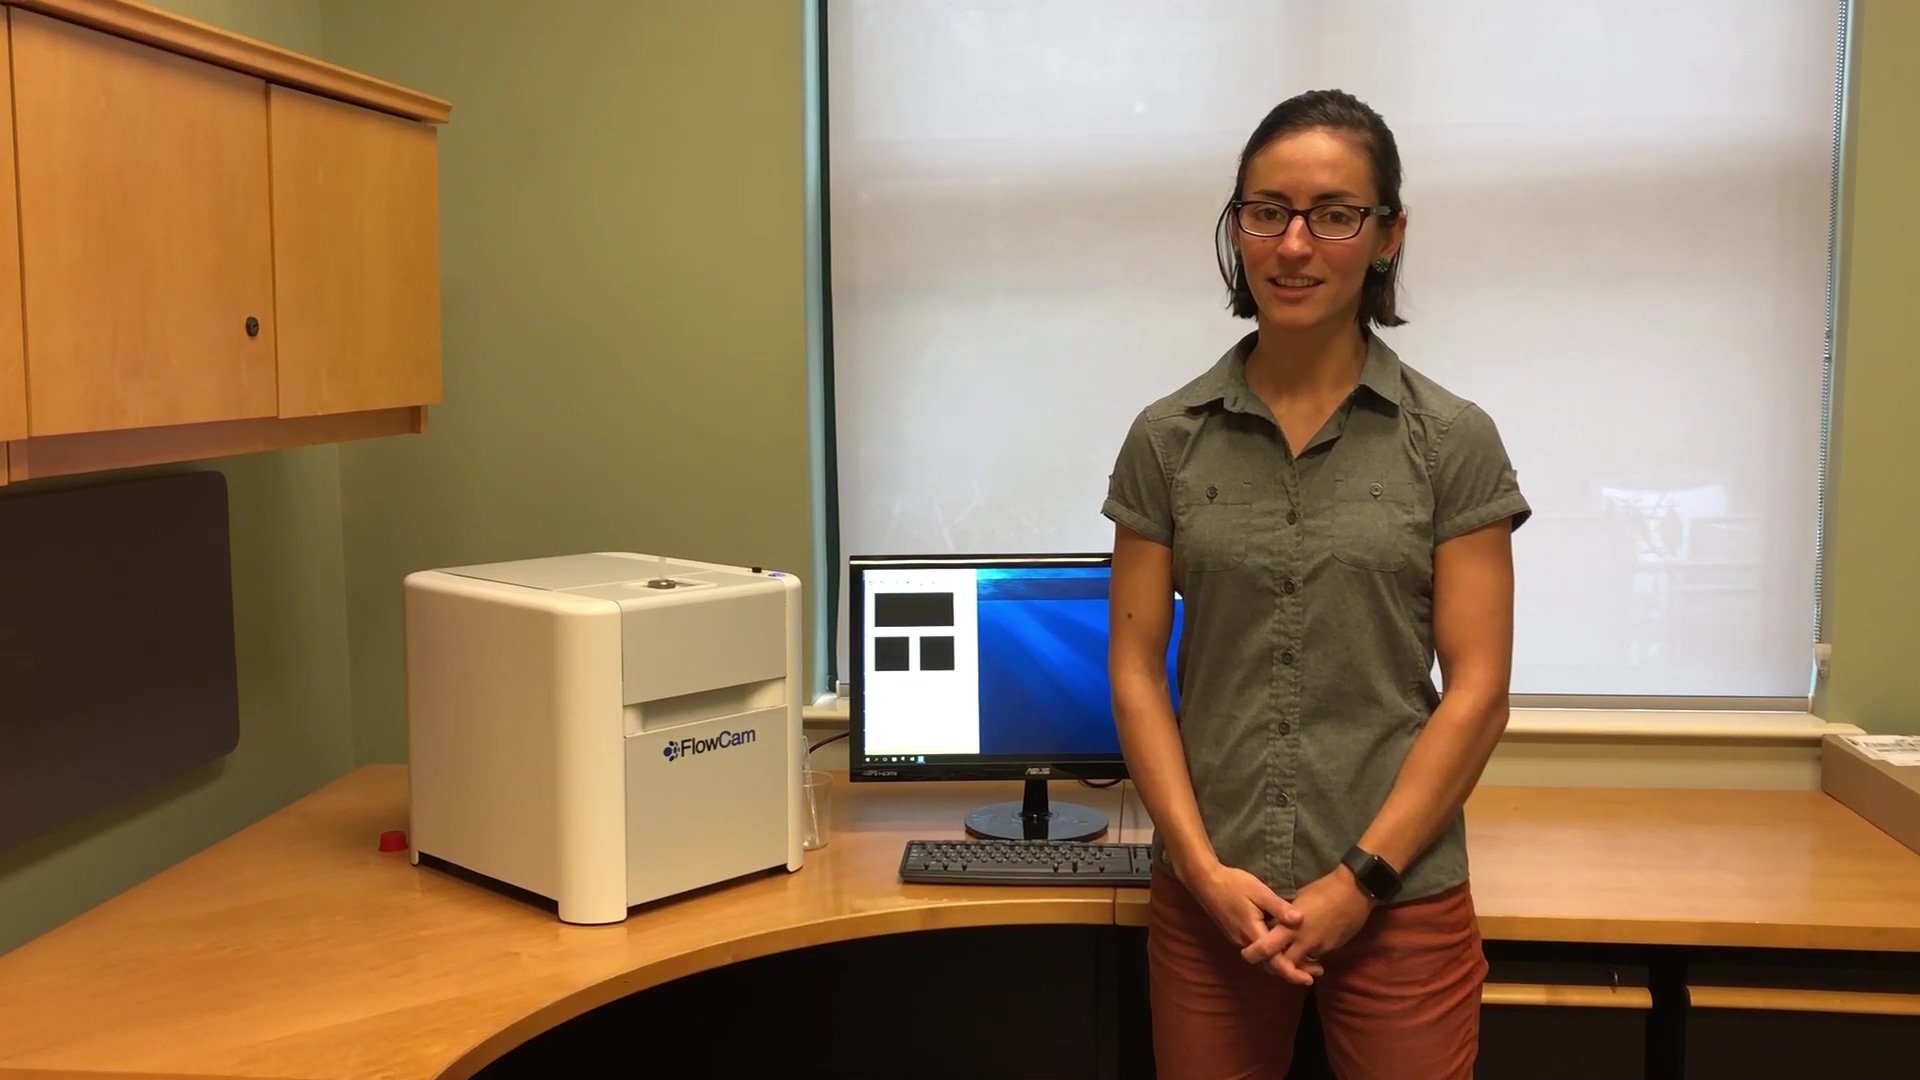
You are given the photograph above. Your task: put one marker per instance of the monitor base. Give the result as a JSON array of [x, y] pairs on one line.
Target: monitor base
[[1035, 818]]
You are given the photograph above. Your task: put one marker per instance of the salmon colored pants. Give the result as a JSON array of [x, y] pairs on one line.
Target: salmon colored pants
[[1400, 1001]]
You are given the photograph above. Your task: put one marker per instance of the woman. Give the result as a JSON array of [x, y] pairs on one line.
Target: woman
[[1332, 519]]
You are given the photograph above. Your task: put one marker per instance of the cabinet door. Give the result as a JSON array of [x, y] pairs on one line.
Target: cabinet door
[[356, 256], [13, 371], [145, 250]]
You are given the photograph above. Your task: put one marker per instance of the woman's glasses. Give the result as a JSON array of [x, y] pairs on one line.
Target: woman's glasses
[[1328, 221]]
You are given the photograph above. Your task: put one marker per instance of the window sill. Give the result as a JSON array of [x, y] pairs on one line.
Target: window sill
[[1648, 726], [827, 709], [1656, 727]]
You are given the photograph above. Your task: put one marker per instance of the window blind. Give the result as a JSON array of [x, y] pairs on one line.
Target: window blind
[[1618, 244]]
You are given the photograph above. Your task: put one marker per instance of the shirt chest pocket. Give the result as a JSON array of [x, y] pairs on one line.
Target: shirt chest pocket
[[1211, 520], [1374, 524]]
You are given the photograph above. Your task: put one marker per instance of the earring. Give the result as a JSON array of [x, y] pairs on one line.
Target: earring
[[1381, 266]]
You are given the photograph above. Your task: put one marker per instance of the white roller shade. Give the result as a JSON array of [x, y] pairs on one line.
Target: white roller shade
[[1618, 245]]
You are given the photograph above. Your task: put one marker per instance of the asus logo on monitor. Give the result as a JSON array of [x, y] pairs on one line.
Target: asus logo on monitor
[[1039, 770]]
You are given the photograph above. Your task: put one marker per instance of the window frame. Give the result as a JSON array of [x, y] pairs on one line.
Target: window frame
[[1575, 716]]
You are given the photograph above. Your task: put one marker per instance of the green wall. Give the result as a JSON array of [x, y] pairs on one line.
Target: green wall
[[625, 368], [1874, 517], [290, 24], [290, 625], [621, 215]]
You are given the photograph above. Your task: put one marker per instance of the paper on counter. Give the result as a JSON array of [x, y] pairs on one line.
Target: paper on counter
[[1892, 749]]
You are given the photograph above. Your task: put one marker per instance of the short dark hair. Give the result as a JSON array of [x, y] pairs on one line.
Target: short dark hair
[[1331, 110]]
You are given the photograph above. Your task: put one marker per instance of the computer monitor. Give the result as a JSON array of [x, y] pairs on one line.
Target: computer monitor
[[986, 667]]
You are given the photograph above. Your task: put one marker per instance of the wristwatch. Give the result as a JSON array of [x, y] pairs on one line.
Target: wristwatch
[[1377, 877]]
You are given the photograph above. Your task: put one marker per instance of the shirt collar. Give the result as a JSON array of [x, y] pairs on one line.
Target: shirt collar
[[1381, 372], [1226, 381]]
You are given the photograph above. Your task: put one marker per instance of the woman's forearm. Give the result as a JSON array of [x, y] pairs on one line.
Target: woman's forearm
[[1473, 637], [1440, 771], [1157, 765]]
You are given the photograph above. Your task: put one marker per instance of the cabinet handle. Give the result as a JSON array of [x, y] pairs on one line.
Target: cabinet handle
[[253, 326]]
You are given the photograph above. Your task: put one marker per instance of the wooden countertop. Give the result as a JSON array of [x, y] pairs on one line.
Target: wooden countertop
[[1763, 869], [295, 949]]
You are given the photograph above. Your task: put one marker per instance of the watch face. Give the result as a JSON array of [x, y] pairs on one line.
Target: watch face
[[1376, 876], [1380, 880]]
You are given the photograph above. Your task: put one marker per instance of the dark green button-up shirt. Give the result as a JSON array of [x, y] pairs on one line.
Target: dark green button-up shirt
[[1306, 652]]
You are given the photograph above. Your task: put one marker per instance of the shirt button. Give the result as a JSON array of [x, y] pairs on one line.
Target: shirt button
[[1212, 492], [1283, 799], [1286, 656], [1286, 727], [1288, 586], [1375, 490], [1293, 517]]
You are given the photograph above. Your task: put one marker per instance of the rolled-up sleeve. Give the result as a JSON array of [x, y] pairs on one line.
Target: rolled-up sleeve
[[1474, 481], [1137, 489]]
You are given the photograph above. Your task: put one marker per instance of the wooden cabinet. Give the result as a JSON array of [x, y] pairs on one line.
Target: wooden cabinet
[[356, 256], [222, 246], [145, 238], [13, 369]]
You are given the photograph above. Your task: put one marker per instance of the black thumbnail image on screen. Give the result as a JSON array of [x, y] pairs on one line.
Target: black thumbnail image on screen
[[916, 609]]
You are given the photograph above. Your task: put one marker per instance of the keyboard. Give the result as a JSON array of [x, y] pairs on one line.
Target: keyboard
[[1023, 862]]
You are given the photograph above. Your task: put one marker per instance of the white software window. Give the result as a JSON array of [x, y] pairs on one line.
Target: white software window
[[922, 668]]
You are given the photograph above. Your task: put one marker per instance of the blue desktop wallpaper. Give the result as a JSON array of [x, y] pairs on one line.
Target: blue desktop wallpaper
[[1044, 689]]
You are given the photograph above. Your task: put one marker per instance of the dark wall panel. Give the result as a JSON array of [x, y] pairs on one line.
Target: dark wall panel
[[116, 644]]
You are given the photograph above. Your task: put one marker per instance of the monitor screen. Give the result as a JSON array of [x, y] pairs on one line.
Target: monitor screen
[[975, 667]]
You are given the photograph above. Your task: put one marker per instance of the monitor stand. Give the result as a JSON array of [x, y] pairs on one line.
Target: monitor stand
[[1034, 818]]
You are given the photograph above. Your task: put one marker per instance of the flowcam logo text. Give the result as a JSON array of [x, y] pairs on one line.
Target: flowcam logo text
[[700, 744]]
